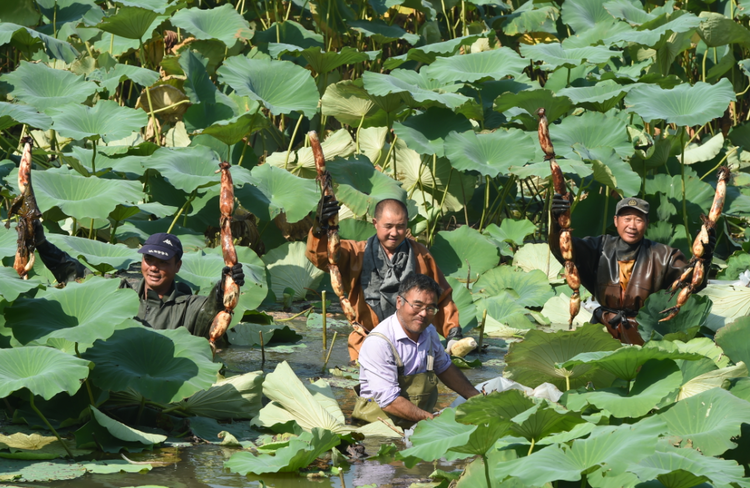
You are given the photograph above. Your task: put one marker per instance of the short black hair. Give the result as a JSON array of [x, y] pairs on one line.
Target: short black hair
[[388, 202], [421, 282]]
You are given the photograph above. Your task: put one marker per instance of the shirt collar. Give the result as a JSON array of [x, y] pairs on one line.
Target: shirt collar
[[400, 335]]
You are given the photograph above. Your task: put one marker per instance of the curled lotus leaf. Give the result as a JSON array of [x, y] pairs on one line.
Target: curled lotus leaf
[[223, 23], [584, 14], [381, 32], [110, 78], [654, 32], [13, 113], [101, 255], [44, 88], [131, 23], [238, 397], [413, 86], [433, 439], [289, 268], [54, 48], [106, 119], [44, 371], [683, 327], [11, 287], [426, 132], [124, 432], [731, 338]]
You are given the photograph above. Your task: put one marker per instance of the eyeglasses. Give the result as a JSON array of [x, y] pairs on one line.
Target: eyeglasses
[[431, 309]]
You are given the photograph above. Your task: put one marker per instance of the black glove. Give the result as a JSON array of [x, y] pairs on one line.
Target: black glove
[[236, 273], [39, 237], [455, 334], [559, 205], [708, 249], [327, 208]]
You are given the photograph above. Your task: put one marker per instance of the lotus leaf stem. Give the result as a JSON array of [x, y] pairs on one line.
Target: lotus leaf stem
[[164, 109], [93, 157], [86, 381], [531, 448], [262, 350], [294, 134], [308, 310], [734, 149], [487, 470], [388, 157], [330, 350], [323, 313], [182, 209], [49, 426], [486, 201], [567, 382], [481, 330], [684, 196], [442, 203], [705, 55], [359, 129], [606, 209]]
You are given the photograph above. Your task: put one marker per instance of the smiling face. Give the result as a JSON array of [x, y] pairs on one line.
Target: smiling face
[[631, 225], [159, 273], [413, 313], [390, 228]]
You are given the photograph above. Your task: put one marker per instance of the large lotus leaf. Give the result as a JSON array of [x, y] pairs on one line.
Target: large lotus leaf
[[617, 447], [512, 231], [593, 131], [426, 132], [80, 312], [35, 446], [35, 471], [233, 130], [101, 255], [611, 171], [30, 39], [630, 12], [584, 14], [14, 113], [432, 439], [731, 338], [557, 310], [44, 371], [291, 33], [381, 32], [533, 361], [106, 119], [273, 191], [601, 97], [223, 23], [655, 32], [544, 420], [524, 104], [186, 168], [555, 54], [361, 186], [323, 62], [529, 289], [697, 153], [505, 316], [627, 361], [684, 104], [131, 23], [252, 292], [300, 453], [302, 161], [537, 256], [289, 268], [487, 65], [164, 366], [124, 432], [490, 154], [428, 53], [494, 407], [348, 102], [44, 88], [238, 397], [717, 30], [684, 326], [415, 86], [711, 379], [109, 79], [282, 87], [707, 421], [11, 286], [656, 380], [80, 197], [198, 85], [464, 252]]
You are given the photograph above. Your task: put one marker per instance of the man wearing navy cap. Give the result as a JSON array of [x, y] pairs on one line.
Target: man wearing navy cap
[[622, 271], [164, 302]]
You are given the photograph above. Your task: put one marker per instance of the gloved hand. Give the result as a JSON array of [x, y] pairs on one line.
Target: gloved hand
[[39, 237], [327, 208], [559, 205], [708, 249], [235, 272], [454, 335]]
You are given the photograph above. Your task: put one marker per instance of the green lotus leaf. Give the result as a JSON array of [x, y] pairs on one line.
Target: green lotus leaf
[[164, 366], [707, 421], [360, 185], [289, 32], [44, 88], [505, 316], [282, 87], [348, 102], [80, 197], [223, 23], [233, 130], [106, 119], [26, 37], [512, 231], [557, 310], [683, 105], [415, 86], [112, 466], [381, 32], [717, 30], [198, 85], [289, 268], [255, 289], [248, 334], [110, 78], [11, 286], [495, 406], [630, 12], [697, 153], [671, 465], [14, 113], [186, 168], [656, 380], [490, 154], [101, 255], [610, 170], [433, 439], [601, 97], [598, 133], [426, 132], [617, 447], [428, 53], [302, 162], [684, 326], [544, 420], [523, 106], [80, 312], [627, 361], [35, 446], [300, 452], [35, 471], [487, 65], [654, 32], [272, 191], [131, 23], [44, 371], [554, 55], [537, 256], [123, 432], [130, 165], [730, 339], [584, 14], [711, 379], [528, 289], [238, 397], [463, 252], [325, 62], [533, 361]]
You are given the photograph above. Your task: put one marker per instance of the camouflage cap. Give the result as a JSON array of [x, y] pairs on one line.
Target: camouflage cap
[[634, 203]]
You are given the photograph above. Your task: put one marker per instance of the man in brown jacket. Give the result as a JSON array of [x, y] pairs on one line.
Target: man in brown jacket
[[622, 271], [372, 270]]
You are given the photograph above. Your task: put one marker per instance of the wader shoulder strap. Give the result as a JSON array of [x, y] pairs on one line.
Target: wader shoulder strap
[[399, 363], [430, 359]]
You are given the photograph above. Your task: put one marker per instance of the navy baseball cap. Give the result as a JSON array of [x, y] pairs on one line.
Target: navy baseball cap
[[163, 246]]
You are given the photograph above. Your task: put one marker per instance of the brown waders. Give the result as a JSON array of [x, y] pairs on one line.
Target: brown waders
[[420, 389]]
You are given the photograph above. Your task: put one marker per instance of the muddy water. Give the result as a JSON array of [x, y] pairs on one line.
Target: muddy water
[[202, 465]]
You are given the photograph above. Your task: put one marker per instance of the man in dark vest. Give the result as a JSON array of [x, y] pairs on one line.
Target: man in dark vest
[[622, 271]]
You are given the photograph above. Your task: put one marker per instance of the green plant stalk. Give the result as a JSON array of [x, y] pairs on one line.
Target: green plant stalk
[[705, 55], [506, 189], [86, 381], [486, 201], [684, 196], [330, 350], [54, 21], [487, 470], [323, 313], [606, 209], [294, 134], [112, 231], [93, 158], [242, 155], [359, 129], [442, 203], [182, 209], [91, 230], [734, 149], [49, 426], [388, 155], [447, 20], [481, 331], [464, 30], [531, 448], [567, 383]]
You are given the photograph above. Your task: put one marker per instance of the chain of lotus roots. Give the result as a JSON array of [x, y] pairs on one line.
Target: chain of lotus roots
[[26, 208]]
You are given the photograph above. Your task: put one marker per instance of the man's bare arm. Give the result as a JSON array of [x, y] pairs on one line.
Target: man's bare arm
[[401, 407], [454, 379]]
